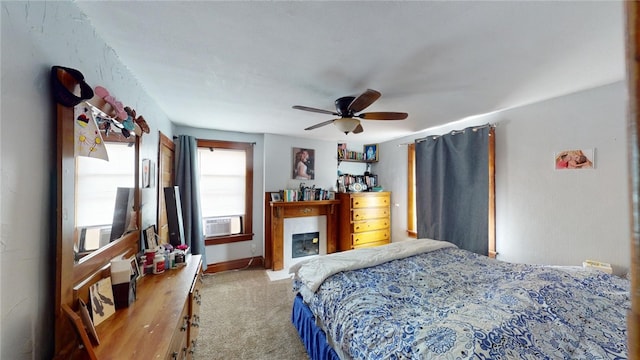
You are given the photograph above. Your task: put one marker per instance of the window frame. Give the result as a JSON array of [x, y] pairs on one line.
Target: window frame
[[247, 226], [412, 231]]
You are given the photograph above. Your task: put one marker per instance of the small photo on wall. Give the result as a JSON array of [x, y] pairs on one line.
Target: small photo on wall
[[371, 152], [574, 159], [303, 162]]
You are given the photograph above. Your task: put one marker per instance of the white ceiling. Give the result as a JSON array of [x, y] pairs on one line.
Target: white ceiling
[[240, 66]]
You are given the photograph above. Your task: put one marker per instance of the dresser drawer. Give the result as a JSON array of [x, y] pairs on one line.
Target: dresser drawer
[[370, 236], [302, 211], [370, 201], [371, 213], [371, 244], [369, 225], [178, 347], [195, 299]]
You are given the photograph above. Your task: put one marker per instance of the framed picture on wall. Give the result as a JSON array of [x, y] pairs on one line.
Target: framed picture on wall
[[371, 152], [303, 162], [574, 159], [148, 173]]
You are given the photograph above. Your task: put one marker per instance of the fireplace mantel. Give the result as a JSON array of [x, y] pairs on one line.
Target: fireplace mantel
[[277, 211]]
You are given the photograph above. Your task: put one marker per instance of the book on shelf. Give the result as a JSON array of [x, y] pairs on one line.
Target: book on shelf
[[307, 194], [345, 154], [369, 180]]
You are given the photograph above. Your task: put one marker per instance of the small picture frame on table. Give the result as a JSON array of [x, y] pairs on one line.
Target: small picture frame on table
[[150, 240], [102, 301], [81, 330], [136, 274], [88, 323], [371, 152], [275, 196]]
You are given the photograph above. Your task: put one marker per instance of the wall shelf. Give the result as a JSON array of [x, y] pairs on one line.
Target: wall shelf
[[357, 160]]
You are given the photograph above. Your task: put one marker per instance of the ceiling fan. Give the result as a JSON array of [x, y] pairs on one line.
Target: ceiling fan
[[347, 108]]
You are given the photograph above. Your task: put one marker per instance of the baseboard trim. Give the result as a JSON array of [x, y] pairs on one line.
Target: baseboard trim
[[246, 263]]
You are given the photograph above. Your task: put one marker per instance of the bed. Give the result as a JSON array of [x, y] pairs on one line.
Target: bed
[[425, 299]]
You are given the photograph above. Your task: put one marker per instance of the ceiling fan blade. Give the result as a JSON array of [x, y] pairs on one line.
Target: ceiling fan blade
[[383, 116], [364, 100], [320, 124], [306, 108], [358, 129]]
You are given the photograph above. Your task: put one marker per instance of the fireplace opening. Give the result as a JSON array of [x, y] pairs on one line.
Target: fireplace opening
[[305, 244]]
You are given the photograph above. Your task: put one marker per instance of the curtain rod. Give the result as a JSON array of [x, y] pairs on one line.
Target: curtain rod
[[454, 132], [252, 143]]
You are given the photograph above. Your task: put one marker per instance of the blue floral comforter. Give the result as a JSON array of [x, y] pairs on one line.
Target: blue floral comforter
[[454, 304]]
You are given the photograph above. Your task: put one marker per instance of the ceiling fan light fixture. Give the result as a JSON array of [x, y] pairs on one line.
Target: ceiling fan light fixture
[[346, 125]]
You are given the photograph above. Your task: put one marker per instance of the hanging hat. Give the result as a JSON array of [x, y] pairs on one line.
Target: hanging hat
[[59, 77]]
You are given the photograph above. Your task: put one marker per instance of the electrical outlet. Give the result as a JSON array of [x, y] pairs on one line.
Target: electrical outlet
[[253, 248]]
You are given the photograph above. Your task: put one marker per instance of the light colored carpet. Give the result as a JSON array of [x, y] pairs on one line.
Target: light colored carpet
[[245, 316]]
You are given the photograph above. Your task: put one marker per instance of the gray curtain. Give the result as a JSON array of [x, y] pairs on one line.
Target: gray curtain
[[452, 188], [186, 163]]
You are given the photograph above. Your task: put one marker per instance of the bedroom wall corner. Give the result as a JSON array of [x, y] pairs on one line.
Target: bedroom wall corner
[[543, 215], [563, 217]]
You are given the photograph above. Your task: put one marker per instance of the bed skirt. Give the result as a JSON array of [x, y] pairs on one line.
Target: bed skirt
[[313, 338]]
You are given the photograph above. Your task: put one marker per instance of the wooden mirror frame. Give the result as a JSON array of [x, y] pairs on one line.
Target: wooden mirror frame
[[72, 278], [632, 12]]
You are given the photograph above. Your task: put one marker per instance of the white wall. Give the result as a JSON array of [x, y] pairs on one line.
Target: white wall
[[564, 217], [546, 216], [278, 160], [35, 36]]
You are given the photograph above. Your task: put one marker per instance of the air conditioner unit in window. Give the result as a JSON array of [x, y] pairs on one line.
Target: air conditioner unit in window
[[219, 226]]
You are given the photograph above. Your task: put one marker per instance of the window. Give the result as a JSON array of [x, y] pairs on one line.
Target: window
[[226, 188]]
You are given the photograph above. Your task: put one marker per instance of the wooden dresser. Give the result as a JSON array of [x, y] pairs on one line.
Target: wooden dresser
[[364, 219], [162, 323]]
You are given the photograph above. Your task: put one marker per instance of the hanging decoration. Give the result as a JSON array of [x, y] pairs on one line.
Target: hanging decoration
[[140, 123], [87, 137], [62, 90], [109, 99]]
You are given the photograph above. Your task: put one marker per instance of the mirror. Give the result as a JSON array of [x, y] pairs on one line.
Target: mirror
[[104, 195], [104, 182], [76, 219]]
